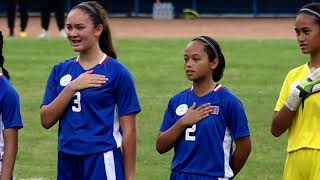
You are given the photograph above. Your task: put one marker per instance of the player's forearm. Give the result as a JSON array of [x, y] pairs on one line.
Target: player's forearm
[[237, 163], [8, 163], [281, 121], [129, 155], [10, 153], [167, 140], [240, 154], [51, 113]]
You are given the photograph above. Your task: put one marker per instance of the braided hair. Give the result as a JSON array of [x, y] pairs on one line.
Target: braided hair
[[4, 71]]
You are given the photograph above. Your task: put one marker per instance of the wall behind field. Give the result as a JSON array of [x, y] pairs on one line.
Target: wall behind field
[[206, 8]]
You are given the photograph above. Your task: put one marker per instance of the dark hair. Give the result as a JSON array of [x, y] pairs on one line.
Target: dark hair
[[212, 48], [98, 15], [312, 9], [4, 71]]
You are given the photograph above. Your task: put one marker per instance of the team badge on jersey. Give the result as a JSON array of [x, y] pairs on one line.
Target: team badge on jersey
[[215, 110], [65, 80], [182, 109]]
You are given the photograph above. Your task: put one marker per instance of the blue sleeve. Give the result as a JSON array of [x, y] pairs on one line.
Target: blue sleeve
[[51, 90], [238, 123], [11, 115], [126, 95], [168, 119]]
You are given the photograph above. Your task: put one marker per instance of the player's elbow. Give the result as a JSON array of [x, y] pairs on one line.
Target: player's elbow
[[281, 121], [248, 148], [45, 124], [160, 150], [161, 147], [46, 119], [275, 132]]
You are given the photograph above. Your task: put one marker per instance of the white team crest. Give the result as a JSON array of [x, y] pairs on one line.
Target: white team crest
[[182, 109], [65, 80]]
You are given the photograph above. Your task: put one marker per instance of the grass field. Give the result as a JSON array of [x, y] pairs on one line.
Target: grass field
[[254, 72]]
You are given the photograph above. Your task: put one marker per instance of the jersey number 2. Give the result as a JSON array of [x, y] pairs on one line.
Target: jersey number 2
[[190, 137], [77, 105]]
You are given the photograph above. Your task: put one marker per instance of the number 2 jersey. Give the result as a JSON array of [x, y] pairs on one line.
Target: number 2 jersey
[[206, 147], [90, 123], [10, 116]]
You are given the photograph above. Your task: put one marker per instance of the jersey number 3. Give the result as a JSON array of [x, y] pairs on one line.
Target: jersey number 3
[[190, 137], [77, 102]]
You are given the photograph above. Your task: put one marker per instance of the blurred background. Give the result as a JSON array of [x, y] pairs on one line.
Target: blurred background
[[206, 8]]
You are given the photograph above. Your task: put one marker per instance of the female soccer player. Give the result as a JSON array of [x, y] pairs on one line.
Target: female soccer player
[[202, 122], [94, 99], [10, 121], [297, 108]]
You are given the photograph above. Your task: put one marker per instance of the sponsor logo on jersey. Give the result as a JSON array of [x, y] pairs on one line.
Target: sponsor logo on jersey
[[215, 110], [182, 109], [65, 80]]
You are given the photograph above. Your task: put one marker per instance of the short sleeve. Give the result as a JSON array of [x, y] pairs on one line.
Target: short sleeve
[[51, 89], [284, 92], [168, 119], [11, 115], [127, 98], [238, 120]]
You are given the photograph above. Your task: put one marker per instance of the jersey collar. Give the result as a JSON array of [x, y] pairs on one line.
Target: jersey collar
[[103, 60], [216, 89]]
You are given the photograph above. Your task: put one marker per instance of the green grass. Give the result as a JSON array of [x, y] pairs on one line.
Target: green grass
[[254, 72]]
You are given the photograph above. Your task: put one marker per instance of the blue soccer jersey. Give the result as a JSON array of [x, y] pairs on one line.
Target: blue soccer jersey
[[206, 147], [90, 123], [10, 116]]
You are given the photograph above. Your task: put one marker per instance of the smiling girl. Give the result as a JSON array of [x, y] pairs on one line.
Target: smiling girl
[[93, 98]]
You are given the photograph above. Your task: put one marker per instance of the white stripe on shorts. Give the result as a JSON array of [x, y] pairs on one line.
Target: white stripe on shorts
[[109, 165]]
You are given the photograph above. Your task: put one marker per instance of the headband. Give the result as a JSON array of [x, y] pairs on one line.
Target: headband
[[310, 11], [209, 43], [88, 6]]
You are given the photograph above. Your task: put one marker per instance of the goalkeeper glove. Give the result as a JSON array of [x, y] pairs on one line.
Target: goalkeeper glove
[[304, 89]]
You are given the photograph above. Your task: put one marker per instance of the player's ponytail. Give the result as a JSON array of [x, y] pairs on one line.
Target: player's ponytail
[[98, 16], [105, 41], [212, 48], [312, 9], [4, 71]]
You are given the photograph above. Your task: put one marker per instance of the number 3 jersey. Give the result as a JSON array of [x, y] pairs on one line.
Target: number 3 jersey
[[206, 147], [90, 123], [10, 116]]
